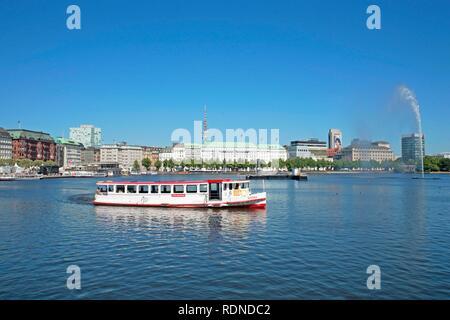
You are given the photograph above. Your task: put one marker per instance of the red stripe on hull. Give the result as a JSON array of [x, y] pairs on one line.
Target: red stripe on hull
[[211, 205]]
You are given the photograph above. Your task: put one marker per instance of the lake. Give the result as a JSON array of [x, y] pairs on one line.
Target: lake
[[314, 240]]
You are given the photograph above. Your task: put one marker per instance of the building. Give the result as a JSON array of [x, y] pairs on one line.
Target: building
[[228, 152], [312, 148], [334, 142], [86, 134], [68, 153], [411, 148], [335, 139], [152, 153], [122, 154], [90, 155], [33, 145], [5, 144], [364, 150]]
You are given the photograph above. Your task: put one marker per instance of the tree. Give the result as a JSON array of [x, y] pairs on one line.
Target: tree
[[146, 163], [136, 166], [170, 164], [158, 164], [444, 164]]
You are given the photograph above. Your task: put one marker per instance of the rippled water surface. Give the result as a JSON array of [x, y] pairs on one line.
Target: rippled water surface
[[315, 240]]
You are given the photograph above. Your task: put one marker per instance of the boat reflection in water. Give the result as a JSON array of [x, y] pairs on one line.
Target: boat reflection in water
[[229, 221]]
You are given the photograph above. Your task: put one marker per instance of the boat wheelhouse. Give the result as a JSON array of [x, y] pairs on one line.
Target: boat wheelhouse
[[188, 194]]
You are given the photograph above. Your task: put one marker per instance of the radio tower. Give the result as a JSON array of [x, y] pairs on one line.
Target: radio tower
[[205, 125]]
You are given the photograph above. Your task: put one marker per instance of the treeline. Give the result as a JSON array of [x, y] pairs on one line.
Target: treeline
[[213, 165], [433, 164], [293, 163], [26, 163], [308, 163]]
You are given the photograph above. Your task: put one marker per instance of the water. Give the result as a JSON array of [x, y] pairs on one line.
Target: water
[[315, 240]]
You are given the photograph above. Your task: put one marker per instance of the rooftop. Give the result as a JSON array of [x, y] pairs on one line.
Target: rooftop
[[65, 141], [4, 133], [30, 135]]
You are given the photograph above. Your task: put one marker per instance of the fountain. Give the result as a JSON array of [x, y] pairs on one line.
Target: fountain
[[410, 97]]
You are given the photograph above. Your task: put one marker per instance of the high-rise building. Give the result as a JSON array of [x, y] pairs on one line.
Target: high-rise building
[[86, 134], [33, 145], [411, 145], [5, 144]]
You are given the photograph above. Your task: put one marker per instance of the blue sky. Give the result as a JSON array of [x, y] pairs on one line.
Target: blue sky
[[140, 69]]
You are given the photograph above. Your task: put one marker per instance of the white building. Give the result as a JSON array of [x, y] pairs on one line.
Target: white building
[[445, 155], [88, 135], [225, 151], [363, 150], [312, 148], [124, 155], [5, 144]]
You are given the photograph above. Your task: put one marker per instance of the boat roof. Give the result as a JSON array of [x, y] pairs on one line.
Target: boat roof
[[174, 182]]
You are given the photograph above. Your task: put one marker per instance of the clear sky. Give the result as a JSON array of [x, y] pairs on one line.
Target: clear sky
[[140, 69]]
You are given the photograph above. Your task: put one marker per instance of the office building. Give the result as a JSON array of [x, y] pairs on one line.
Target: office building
[[68, 153], [411, 148], [88, 135], [364, 150], [123, 154], [312, 148]]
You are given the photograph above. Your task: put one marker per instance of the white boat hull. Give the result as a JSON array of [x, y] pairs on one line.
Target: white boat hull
[[257, 200]]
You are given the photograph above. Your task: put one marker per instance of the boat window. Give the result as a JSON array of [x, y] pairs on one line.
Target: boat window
[[191, 188], [154, 189], [178, 188], [243, 186], [165, 189], [213, 186], [203, 188], [143, 189], [101, 188], [246, 185], [131, 189], [225, 187], [120, 189], [230, 186], [236, 186], [111, 188]]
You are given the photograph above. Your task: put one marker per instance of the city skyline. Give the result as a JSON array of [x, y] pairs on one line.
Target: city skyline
[[280, 67]]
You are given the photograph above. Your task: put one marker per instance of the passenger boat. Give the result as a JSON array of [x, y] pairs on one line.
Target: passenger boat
[[180, 194]]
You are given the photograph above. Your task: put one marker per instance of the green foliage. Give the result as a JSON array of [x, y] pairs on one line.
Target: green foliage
[[136, 166], [158, 164], [432, 163], [146, 162], [26, 163]]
